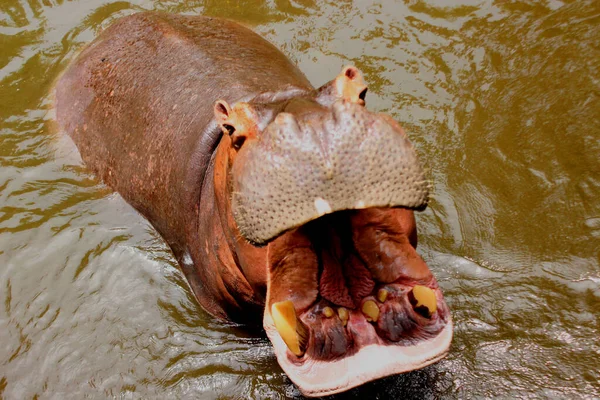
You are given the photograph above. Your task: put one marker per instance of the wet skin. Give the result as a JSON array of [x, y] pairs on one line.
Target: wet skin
[[279, 201]]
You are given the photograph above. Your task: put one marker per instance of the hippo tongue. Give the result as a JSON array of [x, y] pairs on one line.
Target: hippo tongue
[[345, 284], [345, 280]]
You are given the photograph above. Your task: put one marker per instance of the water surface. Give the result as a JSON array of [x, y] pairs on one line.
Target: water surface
[[502, 101]]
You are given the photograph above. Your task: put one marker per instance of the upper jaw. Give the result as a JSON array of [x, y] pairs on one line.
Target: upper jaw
[[301, 168]]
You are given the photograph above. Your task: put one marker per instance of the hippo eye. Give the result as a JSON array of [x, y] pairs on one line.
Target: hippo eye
[[230, 129], [238, 141], [363, 94]]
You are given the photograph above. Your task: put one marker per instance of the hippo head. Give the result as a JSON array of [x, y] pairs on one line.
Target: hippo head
[[319, 193]]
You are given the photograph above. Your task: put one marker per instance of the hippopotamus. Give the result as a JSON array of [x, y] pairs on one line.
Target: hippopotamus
[[281, 202]]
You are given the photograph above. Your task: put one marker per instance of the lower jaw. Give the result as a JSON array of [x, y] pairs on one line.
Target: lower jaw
[[373, 361], [310, 266]]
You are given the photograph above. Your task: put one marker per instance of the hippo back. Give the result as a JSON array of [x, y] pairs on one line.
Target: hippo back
[[138, 102]]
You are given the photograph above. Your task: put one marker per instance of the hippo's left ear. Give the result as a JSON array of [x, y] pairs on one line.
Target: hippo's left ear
[[239, 122], [349, 85]]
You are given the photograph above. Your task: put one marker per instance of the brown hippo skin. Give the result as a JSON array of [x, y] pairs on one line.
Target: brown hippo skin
[[279, 201]]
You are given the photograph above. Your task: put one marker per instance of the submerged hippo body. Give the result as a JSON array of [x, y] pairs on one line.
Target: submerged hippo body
[[281, 202]]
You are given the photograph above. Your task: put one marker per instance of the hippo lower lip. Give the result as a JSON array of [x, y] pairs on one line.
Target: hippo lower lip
[[317, 378], [324, 269]]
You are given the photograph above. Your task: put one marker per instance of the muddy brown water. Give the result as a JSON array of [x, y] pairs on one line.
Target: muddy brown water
[[502, 101]]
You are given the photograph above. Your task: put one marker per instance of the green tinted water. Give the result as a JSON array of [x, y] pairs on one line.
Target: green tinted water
[[502, 101]]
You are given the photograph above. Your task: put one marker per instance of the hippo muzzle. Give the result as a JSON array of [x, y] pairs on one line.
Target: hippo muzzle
[[332, 159], [328, 188]]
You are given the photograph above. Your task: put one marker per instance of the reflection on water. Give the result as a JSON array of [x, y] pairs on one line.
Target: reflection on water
[[502, 100]]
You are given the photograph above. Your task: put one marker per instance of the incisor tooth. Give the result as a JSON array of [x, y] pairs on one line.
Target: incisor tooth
[[382, 294], [293, 332], [328, 312], [422, 296], [343, 314], [370, 309]]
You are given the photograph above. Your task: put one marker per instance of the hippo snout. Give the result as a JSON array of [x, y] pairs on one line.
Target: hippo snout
[[313, 160]]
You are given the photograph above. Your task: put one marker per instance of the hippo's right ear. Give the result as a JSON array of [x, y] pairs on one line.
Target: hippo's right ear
[[349, 86], [239, 122]]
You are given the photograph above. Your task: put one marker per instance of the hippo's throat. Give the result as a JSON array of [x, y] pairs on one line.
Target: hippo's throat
[[349, 300]]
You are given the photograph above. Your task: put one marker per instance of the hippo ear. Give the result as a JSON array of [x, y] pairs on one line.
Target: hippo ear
[[239, 122], [349, 85]]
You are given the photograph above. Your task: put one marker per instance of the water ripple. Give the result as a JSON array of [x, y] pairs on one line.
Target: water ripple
[[499, 98]]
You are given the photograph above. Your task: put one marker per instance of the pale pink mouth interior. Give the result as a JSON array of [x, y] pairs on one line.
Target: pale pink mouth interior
[[342, 261]]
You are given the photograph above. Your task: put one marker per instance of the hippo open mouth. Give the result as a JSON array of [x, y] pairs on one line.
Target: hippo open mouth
[[350, 301], [330, 189]]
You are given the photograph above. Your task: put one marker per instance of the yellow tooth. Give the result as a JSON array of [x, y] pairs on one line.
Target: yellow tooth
[[424, 297], [293, 332], [328, 312], [343, 314], [370, 309], [382, 294]]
